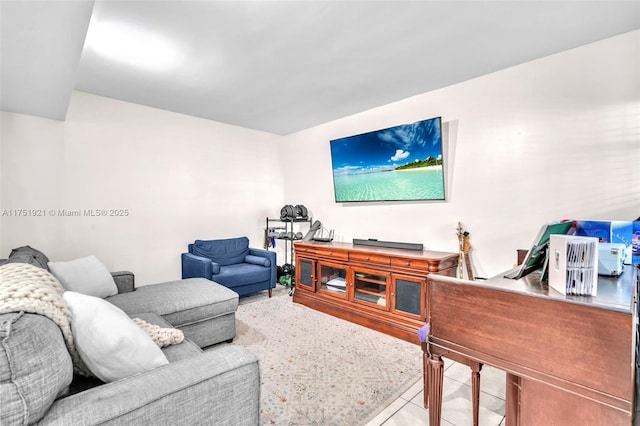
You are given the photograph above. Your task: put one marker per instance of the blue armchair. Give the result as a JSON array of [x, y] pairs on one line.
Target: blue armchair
[[232, 263]]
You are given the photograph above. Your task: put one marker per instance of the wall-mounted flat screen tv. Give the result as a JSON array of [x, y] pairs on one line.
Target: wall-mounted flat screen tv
[[401, 163]]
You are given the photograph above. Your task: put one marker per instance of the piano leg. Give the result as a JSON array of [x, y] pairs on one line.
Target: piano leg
[[475, 389], [425, 373], [435, 377]]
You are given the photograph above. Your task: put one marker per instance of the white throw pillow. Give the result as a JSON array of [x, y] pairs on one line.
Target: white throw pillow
[[111, 345], [86, 275]]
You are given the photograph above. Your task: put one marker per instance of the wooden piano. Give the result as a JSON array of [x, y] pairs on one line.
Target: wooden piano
[[570, 360]]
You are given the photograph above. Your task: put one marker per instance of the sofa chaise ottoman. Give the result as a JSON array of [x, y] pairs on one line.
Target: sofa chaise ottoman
[[203, 310]]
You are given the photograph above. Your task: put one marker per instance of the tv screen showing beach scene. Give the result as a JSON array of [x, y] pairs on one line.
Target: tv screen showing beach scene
[[401, 163]]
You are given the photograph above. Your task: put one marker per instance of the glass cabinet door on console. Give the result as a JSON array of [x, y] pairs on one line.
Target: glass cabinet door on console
[[332, 279], [408, 296], [371, 287], [304, 274]]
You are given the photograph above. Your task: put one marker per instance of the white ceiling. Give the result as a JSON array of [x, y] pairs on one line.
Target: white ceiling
[[281, 66]]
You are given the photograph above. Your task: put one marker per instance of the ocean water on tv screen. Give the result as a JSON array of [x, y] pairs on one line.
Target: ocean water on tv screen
[[414, 184]]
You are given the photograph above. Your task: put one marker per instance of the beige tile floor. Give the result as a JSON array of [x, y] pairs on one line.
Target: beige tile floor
[[408, 410]]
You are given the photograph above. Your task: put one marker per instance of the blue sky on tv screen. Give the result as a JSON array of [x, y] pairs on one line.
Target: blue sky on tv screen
[[385, 149]]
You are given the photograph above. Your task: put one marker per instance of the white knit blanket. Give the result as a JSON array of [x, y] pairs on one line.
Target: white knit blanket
[[28, 288]]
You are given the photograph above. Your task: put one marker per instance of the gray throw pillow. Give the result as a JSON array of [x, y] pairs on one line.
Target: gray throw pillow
[[86, 275], [27, 254]]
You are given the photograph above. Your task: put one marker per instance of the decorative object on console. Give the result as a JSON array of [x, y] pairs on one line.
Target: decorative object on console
[[401, 163]]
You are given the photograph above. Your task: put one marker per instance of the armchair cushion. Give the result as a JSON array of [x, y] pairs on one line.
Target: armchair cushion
[[238, 275], [257, 260], [224, 252]]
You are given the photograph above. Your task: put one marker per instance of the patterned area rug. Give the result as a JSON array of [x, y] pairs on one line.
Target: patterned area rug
[[320, 370]]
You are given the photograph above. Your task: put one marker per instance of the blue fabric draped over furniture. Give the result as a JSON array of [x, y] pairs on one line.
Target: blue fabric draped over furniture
[[232, 263]]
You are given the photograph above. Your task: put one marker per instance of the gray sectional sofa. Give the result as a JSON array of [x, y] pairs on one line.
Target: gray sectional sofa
[[217, 386]]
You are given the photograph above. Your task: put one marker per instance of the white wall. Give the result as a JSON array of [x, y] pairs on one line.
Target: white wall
[[180, 178], [31, 176], [551, 139]]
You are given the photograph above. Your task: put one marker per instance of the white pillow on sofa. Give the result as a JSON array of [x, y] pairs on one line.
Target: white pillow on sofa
[[86, 275], [111, 345]]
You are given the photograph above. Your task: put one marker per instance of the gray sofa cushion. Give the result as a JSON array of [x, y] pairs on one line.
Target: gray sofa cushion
[[35, 367], [180, 302]]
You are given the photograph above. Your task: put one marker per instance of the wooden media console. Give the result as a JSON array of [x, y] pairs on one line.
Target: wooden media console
[[381, 288]]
